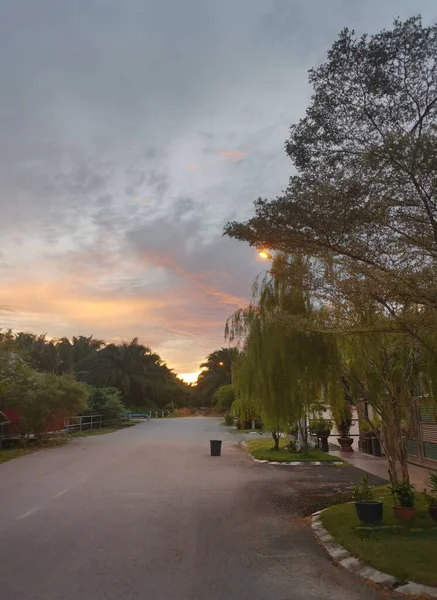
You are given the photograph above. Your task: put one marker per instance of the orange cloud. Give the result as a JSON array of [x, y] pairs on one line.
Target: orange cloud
[[192, 167], [234, 155]]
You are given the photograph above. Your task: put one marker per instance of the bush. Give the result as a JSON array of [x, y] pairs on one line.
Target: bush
[[224, 397], [106, 402], [229, 419], [48, 399], [343, 419]]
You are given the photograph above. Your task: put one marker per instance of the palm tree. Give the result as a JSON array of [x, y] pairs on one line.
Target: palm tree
[[216, 371], [129, 367]]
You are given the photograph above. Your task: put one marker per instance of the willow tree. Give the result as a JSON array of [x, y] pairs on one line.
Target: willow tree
[[281, 372]]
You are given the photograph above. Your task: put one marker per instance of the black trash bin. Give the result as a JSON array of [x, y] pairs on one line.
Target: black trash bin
[[216, 447], [376, 447]]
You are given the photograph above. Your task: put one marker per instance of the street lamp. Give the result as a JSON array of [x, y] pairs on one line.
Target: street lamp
[[264, 254]]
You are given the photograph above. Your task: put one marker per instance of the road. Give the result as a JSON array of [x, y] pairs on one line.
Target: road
[[146, 513]]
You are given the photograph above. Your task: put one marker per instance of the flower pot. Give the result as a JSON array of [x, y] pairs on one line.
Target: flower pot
[[433, 512], [404, 513], [369, 511], [346, 443], [324, 445]]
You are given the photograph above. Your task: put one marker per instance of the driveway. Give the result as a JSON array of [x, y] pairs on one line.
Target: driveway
[[146, 514]]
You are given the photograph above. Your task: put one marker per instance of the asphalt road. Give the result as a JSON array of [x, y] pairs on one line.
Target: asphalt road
[[146, 513]]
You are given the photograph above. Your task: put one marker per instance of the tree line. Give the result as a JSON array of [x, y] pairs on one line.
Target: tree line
[[347, 314], [45, 378]]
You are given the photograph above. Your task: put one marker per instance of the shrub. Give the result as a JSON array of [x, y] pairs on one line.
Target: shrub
[[224, 397], [319, 426], [49, 398], [229, 419], [106, 402], [403, 494], [343, 419], [362, 492]]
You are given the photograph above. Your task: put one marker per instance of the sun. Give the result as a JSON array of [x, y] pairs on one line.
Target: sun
[[189, 377]]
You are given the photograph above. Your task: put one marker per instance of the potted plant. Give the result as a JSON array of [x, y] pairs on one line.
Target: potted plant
[[322, 429], [404, 498], [343, 421], [432, 497], [368, 509]]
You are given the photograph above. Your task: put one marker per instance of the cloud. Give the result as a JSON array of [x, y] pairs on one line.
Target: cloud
[[108, 111], [234, 155]]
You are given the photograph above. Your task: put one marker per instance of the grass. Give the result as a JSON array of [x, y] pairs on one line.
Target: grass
[[263, 449], [258, 431], [102, 430], [10, 453], [406, 551]]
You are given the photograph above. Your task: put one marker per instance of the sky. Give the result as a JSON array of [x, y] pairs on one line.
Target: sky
[[130, 133]]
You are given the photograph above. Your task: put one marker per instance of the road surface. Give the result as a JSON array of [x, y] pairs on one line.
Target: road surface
[[146, 514]]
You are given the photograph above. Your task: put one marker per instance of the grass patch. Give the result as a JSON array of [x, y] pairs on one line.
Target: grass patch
[[263, 449], [102, 430], [258, 431], [406, 551], [10, 453]]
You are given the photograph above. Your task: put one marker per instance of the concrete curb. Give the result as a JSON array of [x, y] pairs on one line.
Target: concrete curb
[[327, 463], [343, 557]]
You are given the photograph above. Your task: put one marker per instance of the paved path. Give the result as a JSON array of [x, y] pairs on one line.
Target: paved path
[[146, 513]]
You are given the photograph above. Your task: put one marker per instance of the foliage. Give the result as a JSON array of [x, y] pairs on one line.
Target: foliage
[[362, 205], [320, 426], [49, 398], [403, 494], [224, 397], [432, 497], [138, 373], [343, 419], [281, 372], [361, 212], [363, 492], [216, 372], [106, 402], [228, 419]]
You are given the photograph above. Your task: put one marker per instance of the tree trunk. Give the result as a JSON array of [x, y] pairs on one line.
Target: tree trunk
[[276, 435]]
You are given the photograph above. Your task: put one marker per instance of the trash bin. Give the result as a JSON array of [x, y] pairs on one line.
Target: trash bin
[[216, 447], [376, 447]]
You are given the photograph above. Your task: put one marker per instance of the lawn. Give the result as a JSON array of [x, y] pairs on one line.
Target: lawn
[[102, 430], [406, 551], [263, 449], [11, 453], [33, 446]]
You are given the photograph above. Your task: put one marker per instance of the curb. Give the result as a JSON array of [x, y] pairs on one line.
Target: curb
[[327, 463], [343, 557]]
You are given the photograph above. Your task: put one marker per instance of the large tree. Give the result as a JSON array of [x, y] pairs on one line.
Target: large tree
[[363, 203]]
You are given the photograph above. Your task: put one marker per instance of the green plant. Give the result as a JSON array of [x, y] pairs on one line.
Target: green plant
[[432, 497], [403, 494], [294, 429], [229, 419], [363, 492], [106, 402], [343, 419], [292, 446], [320, 426]]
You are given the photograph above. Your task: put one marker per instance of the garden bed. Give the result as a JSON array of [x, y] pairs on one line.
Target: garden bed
[[406, 551]]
